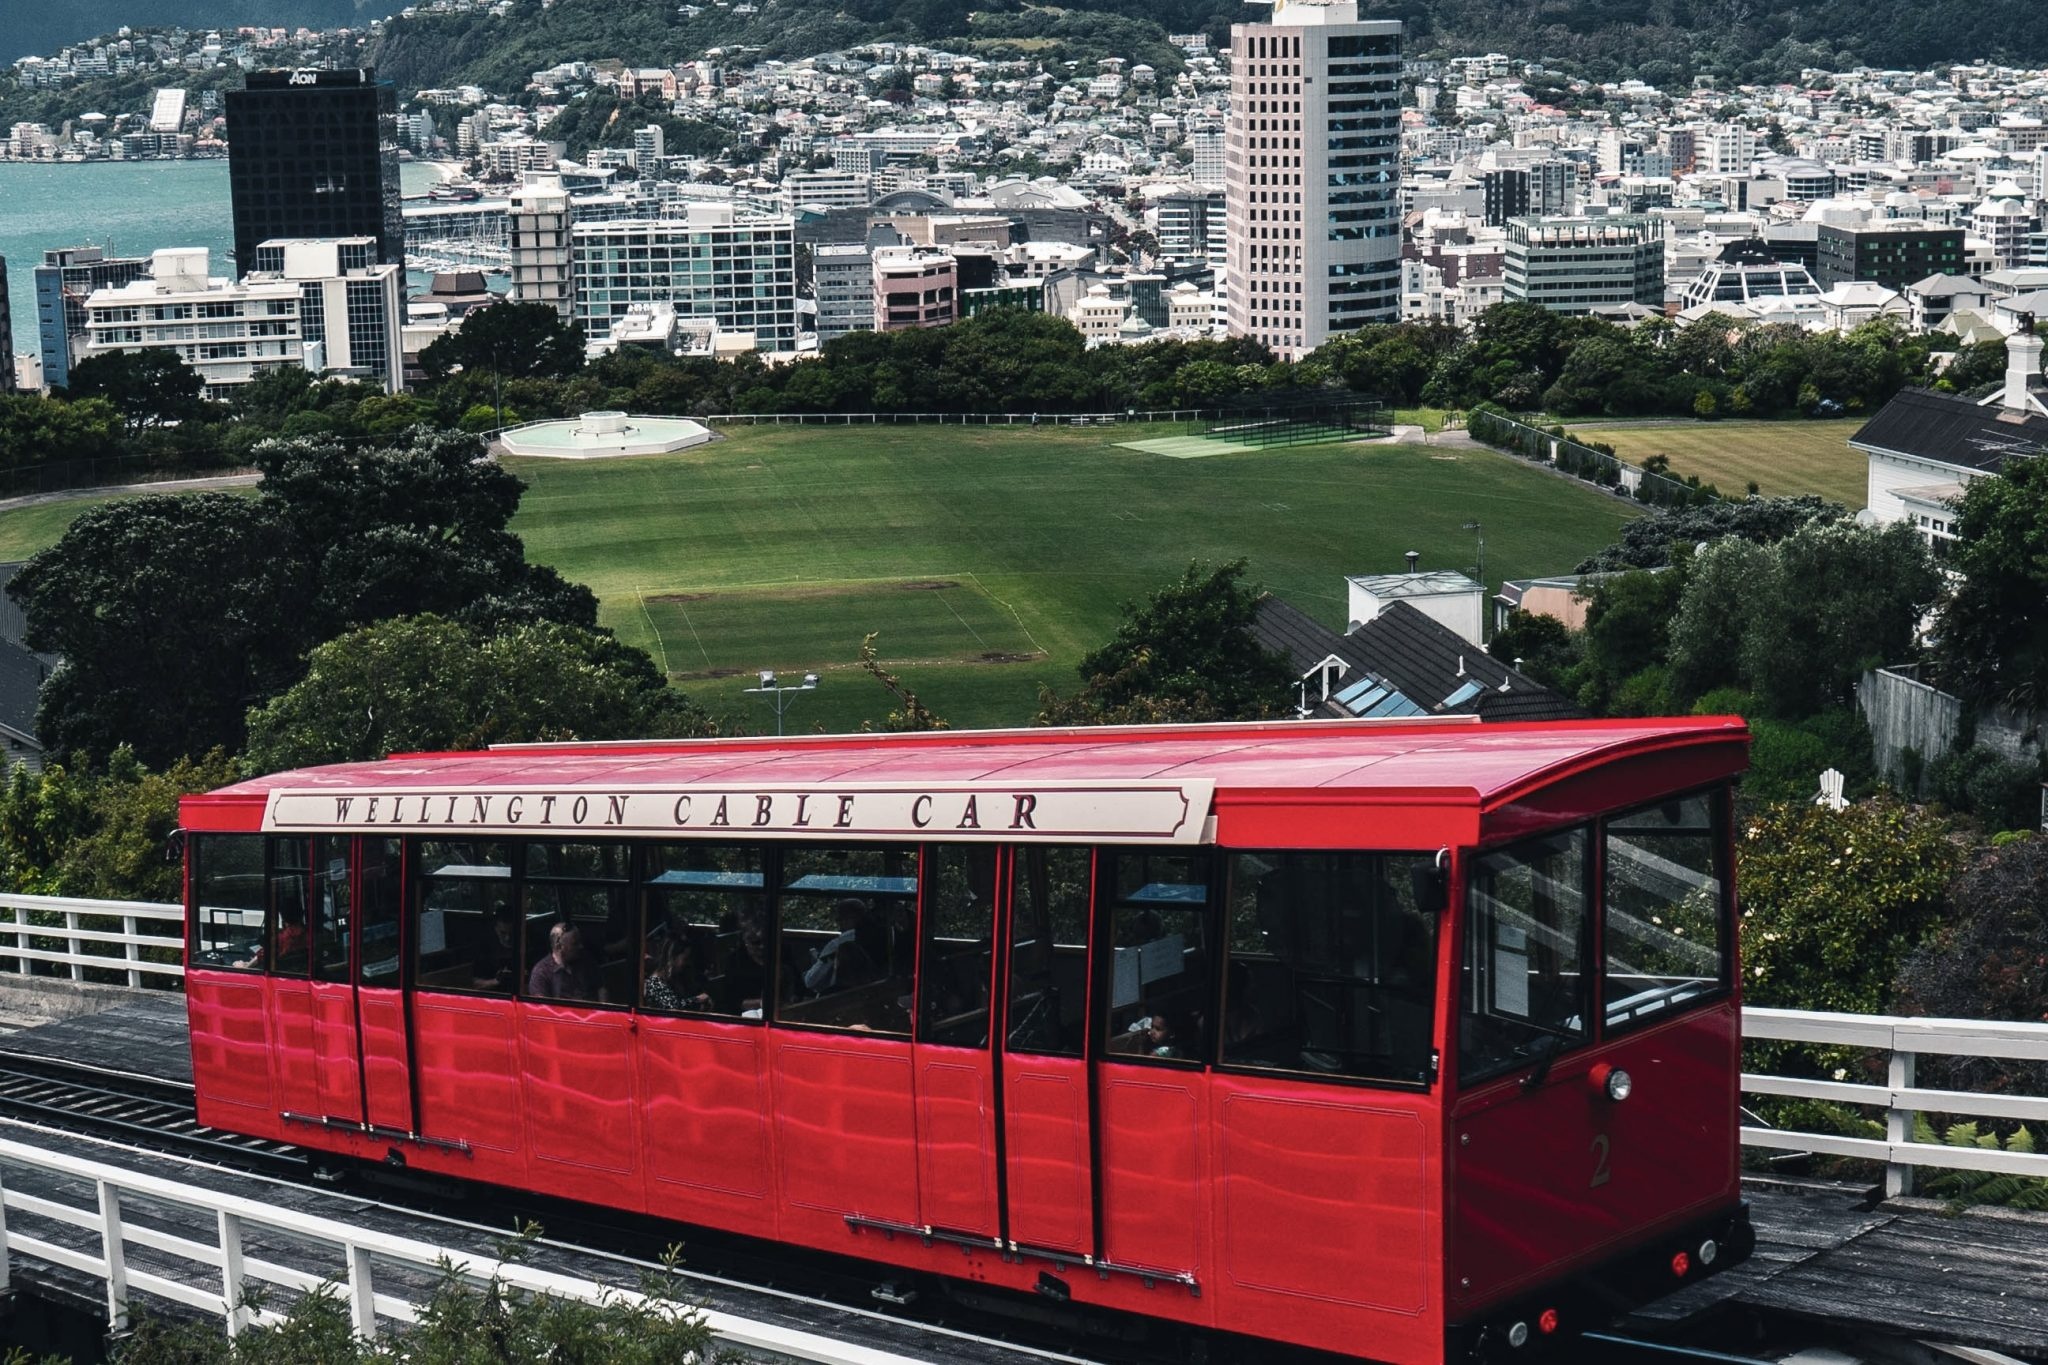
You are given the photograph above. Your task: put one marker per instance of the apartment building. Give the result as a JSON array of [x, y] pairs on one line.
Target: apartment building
[[230, 333]]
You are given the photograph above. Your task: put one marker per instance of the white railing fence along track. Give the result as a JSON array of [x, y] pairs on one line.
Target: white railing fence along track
[[121, 1210]]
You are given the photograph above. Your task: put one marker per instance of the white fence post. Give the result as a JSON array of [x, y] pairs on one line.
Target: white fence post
[[114, 1244], [71, 945], [134, 953], [1898, 1121], [231, 1272], [362, 1301], [6, 1252]]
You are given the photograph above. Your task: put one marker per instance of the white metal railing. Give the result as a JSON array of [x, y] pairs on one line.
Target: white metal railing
[[1907, 1040], [105, 949], [221, 1270]]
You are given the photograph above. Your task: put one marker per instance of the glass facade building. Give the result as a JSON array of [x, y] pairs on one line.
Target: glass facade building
[[314, 154]]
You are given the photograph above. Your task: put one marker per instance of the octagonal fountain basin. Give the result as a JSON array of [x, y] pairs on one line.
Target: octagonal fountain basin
[[600, 435]]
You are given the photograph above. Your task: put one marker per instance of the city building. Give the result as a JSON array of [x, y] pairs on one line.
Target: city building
[[1575, 265], [1747, 272], [351, 306], [539, 216], [1312, 175], [65, 279], [1506, 191], [1893, 254], [843, 276], [828, 189], [1192, 229], [649, 147], [314, 154], [915, 286], [230, 333], [733, 267]]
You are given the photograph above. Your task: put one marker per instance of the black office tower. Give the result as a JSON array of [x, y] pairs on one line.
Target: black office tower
[[314, 154]]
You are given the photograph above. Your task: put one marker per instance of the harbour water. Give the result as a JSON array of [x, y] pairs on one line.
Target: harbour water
[[129, 207]]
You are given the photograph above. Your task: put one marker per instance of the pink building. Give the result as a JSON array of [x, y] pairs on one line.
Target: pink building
[[915, 286]]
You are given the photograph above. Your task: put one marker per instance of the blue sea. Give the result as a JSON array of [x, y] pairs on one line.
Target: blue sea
[[129, 207]]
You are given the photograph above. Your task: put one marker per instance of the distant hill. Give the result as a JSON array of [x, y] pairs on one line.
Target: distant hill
[[32, 28]]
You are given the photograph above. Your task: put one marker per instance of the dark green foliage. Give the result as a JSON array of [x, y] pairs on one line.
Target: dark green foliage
[[511, 340], [1980, 781], [148, 388], [1541, 646], [1628, 632], [1988, 960], [1647, 542], [424, 683], [173, 615], [1186, 654], [1994, 629], [1974, 367]]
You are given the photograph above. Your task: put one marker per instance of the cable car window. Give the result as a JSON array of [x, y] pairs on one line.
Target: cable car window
[[1664, 901], [380, 911], [287, 941], [1524, 982], [227, 900], [465, 931], [1049, 949], [959, 945], [1332, 965], [576, 912], [330, 908], [1161, 999], [846, 932], [705, 950]]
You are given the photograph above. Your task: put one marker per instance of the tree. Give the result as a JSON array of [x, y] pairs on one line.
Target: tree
[[1994, 627], [1186, 654], [414, 527], [429, 683], [101, 836], [173, 615], [1833, 900], [1648, 542], [149, 387], [1628, 626], [1542, 647], [1989, 960], [512, 340]]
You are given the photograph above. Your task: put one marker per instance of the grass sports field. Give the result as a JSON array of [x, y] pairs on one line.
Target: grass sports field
[[1782, 457], [991, 560]]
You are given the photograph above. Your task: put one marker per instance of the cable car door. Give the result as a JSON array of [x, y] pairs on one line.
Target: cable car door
[[1047, 1118], [955, 1067], [313, 1040], [384, 1039]]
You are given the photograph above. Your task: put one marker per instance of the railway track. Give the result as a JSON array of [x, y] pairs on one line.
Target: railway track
[[154, 1114], [157, 1116]]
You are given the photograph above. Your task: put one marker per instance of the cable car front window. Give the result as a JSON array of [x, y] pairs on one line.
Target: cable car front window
[[1524, 981], [227, 900], [1664, 909]]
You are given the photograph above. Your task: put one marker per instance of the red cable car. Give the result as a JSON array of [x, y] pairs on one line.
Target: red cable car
[[1416, 1041]]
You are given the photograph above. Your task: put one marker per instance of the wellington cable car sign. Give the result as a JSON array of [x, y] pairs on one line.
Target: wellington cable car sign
[[1133, 812]]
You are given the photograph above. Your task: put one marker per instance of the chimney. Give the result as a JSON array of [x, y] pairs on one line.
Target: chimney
[[1414, 557], [2022, 367]]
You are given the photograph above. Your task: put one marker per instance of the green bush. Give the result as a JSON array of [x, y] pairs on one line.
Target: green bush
[[1980, 781]]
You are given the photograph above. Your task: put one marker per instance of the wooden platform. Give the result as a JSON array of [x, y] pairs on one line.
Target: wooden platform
[[1825, 1253]]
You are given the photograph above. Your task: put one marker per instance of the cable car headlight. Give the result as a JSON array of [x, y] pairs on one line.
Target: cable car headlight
[[1518, 1335], [1620, 1085], [1709, 1249]]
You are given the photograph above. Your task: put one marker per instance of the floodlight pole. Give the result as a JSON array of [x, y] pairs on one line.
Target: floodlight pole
[[1481, 530], [782, 696]]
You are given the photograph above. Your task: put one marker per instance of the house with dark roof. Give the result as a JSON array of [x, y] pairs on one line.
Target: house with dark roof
[[1402, 662], [1924, 447]]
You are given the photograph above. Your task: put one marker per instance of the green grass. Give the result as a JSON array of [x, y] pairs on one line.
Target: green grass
[[25, 530], [1781, 457], [782, 547]]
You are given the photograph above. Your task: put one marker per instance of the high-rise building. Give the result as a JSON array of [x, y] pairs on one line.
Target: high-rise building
[[843, 275], [1312, 175], [1891, 254], [538, 218], [65, 279], [1574, 265], [734, 268], [1506, 191], [314, 154], [1191, 228], [351, 306], [649, 145], [230, 333]]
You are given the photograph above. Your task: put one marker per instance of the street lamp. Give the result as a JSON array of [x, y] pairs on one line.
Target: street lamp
[[782, 694]]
